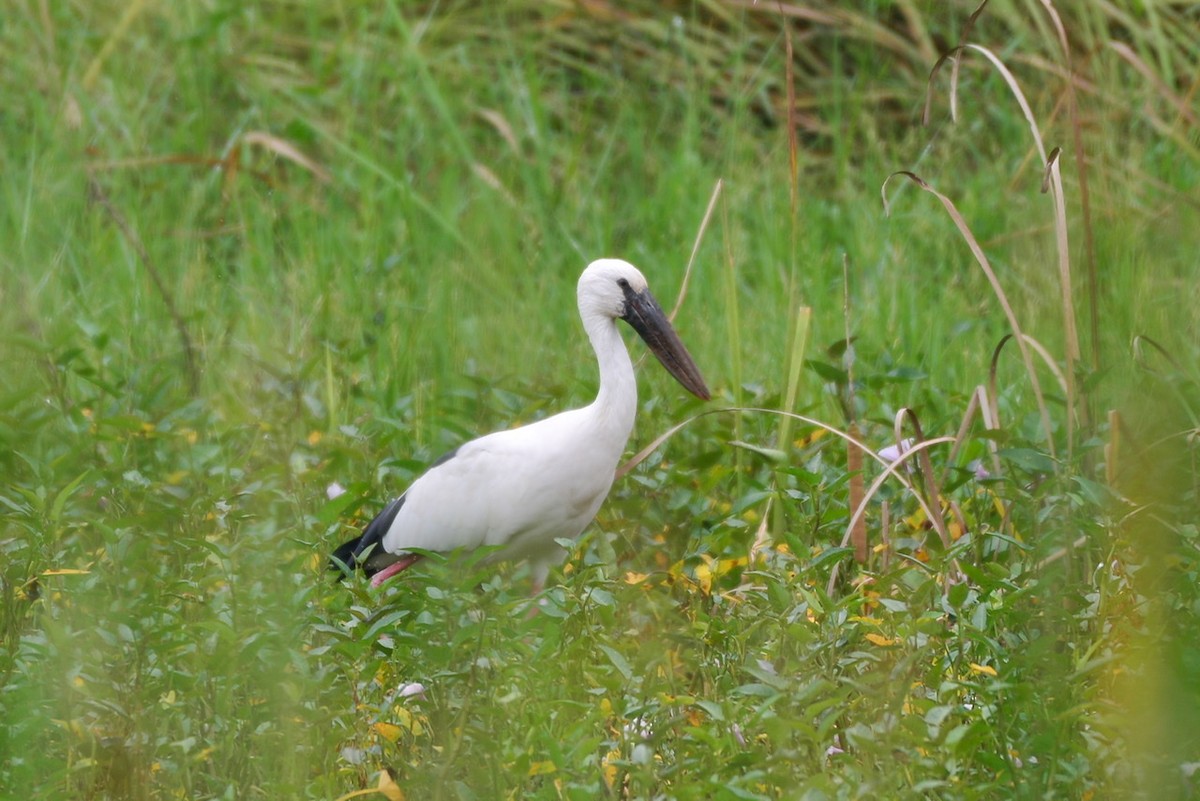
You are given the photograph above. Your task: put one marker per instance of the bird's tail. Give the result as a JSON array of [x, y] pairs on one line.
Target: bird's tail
[[343, 560]]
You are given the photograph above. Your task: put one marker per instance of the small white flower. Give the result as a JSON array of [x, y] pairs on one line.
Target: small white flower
[[891, 453], [642, 754], [413, 688], [334, 490], [833, 750], [736, 730]]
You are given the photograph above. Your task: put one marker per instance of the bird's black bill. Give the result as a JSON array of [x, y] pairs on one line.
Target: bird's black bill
[[650, 321]]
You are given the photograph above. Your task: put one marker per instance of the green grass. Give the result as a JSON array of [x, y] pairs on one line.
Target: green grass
[[168, 629]]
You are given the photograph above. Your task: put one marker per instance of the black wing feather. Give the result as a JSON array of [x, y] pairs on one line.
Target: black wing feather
[[347, 556]]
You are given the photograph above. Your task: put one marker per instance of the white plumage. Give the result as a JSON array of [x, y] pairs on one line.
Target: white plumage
[[526, 487]]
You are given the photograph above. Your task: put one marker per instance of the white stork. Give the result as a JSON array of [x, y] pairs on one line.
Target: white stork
[[526, 487]]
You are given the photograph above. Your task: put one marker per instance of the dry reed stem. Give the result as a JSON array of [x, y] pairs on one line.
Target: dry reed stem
[[793, 139], [286, 150], [1009, 79], [854, 463], [854, 466], [968, 26], [1085, 201], [1053, 181], [997, 289], [687, 273], [1051, 365], [762, 536]]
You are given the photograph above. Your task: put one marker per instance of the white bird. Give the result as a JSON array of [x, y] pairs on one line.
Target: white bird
[[524, 488]]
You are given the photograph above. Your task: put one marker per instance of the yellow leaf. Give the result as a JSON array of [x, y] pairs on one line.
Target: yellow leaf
[[635, 578], [542, 768], [871, 621], [388, 731], [987, 670], [66, 571], [387, 785], [610, 770], [314, 437], [880, 640], [726, 565], [704, 574], [408, 721]]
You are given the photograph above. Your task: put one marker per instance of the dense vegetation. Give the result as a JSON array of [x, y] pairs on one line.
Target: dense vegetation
[[253, 253]]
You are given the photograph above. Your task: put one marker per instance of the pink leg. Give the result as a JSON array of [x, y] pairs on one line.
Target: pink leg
[[393, 569]]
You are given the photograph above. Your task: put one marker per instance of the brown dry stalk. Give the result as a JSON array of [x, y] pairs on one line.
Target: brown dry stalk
[[933, 490], [890, 471], [854, 460], [793, 139], [1085, 203], [1053, 181], [854, 464], [191, 369]]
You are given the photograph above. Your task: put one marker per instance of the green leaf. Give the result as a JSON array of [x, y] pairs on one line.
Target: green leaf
[[618, 661]]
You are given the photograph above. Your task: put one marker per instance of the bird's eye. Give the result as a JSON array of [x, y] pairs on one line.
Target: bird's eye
[[621, 282]]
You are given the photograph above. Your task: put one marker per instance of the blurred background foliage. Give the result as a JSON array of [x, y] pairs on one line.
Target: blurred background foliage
[[252, 250]]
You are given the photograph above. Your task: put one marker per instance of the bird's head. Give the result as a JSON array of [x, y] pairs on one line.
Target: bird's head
[[602, 287], [616, 289]]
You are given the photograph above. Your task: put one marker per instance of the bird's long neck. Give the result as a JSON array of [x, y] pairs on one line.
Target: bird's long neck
[[616, 402]]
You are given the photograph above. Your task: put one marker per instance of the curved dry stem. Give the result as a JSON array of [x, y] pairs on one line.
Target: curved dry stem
[[1053, 181], [968, 26], [986, 266], [917, 449], [687, 273], [1064, 381], [1140, 358], [889, 467], [1009, 79], [890, 470], [932, 490], [641, 455], [1085, 202]]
